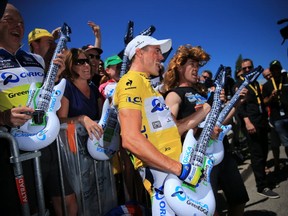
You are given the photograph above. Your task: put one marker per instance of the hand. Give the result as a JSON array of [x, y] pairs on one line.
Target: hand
[[274, 93], [215, 133], [250, 128], [56, 33], [92, 127], [190, 174], [17, 116], [95, 28]]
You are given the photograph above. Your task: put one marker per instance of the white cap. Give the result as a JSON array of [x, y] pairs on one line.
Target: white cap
[[141, 41]]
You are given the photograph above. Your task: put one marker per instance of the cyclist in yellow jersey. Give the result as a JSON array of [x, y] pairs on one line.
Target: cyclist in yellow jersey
[[157, 123], [148, 129]]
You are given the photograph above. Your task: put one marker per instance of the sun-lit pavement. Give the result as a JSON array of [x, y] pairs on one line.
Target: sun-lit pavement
[[259, 205]]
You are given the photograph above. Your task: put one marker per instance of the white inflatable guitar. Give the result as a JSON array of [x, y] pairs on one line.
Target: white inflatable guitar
[[196, 198], [108, 144], [215, 147], [44, 126]]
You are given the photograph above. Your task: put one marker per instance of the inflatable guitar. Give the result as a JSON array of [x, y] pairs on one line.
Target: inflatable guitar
[[43, 128], [196, 199], [108, 144], [215, 147]]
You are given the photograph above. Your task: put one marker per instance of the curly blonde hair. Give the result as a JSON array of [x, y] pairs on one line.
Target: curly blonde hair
[[183, 53]]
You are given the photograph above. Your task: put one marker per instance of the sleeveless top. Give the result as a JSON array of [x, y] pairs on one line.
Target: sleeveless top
[[190, 101]]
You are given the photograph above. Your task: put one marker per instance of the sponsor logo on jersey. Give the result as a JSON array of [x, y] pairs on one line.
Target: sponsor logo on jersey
[[9, 77], [157, 105], [129, 85], [134, 100]]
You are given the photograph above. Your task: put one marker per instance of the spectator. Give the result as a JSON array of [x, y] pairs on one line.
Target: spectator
[[275, 141], [111, 75], [82, 104], [43, 43], [13, 110], [78, 74], [206, 74], [275, 93], [94, 53], [253, 114], [101, 68], [229, 84], [182, 74], [206, 78]]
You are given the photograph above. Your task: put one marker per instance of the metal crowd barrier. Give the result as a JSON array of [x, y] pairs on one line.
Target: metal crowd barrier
[[92, 181], [16, 159]]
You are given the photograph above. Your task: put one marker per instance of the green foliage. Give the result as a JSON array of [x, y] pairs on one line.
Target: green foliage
[[238, 64]]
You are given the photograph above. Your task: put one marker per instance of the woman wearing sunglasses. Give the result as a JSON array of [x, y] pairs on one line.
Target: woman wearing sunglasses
[[81, 103]]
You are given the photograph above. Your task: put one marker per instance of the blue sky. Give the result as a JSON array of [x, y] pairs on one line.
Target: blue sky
[[224, 28]]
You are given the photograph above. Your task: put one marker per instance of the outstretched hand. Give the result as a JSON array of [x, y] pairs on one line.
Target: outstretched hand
[[95, 28]]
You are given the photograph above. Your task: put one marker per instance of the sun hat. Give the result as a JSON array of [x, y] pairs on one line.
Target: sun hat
[[38, 33], [112, 60], [141, 41], [89, 47]]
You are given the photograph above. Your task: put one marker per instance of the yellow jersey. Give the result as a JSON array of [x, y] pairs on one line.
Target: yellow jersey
[[134, 91]]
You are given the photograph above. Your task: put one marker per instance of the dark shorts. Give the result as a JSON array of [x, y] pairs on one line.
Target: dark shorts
[[227, 177]]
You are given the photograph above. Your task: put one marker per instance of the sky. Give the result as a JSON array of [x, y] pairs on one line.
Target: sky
[[223, 28]]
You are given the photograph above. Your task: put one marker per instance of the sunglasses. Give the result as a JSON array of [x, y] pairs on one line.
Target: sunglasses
[[248, 67], [205, 77], [91, 56], [81, 61]]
